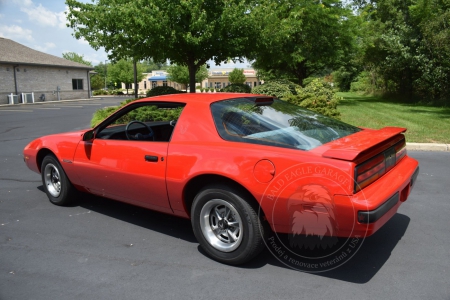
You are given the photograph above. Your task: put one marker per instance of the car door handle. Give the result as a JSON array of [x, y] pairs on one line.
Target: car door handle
[[151, 158]]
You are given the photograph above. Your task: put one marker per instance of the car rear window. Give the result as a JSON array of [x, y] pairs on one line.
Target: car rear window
[[273, 122]]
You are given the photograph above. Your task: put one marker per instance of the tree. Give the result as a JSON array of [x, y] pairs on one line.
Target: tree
[[123, 71], [180, 74], [301, 37], [405, 46], [72, 56], [188, 33], [151, 65], [97, 81], [237, 76]]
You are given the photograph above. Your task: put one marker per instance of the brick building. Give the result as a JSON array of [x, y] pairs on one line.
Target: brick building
[[24, 71]]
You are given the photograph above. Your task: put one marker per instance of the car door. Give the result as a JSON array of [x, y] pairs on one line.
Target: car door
[[118, 162], [129, 171]]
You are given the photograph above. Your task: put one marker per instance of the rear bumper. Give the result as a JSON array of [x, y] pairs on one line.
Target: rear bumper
[[379, 202], [371, 216]]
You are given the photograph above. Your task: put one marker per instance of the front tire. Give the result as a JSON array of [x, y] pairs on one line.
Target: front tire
[[57, 186], [226, 226]]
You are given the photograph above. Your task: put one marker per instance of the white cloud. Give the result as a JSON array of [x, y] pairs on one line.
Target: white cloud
[[16, 33], [45, 47], [83, 41], [42, 15]]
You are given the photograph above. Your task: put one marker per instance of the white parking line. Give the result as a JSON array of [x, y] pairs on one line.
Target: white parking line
[[16, 110], [48, 107]]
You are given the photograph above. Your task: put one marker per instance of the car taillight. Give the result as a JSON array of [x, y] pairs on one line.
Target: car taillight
[[369, 171], [400, 149], [374, 168]]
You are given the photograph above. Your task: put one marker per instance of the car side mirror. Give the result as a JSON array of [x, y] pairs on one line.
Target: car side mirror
[[89, 135]]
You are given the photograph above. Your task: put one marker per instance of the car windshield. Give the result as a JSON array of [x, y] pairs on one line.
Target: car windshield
[[273, 122]]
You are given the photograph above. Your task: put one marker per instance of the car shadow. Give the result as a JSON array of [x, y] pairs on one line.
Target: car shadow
[[163, 223], [368, 260]]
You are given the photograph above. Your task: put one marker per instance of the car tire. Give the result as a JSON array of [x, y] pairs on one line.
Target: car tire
[[227, 227], [57, 186]]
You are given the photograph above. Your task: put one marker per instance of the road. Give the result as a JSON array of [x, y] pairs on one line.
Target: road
[[101, 249]]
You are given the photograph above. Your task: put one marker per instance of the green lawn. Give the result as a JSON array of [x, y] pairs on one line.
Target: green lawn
[[425, 124]]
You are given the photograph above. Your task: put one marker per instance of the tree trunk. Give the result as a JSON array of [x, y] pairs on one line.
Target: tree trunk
[[135, 79], [192, 70], [301, 72]]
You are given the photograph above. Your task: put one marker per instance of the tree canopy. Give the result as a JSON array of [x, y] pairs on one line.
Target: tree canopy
[[301, 37], [187, 33], [237, 76], [123, 71], [72, 56]]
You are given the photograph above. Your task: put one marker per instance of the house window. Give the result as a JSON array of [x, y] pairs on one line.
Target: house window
[[77, 84], [154, 84], [145, 84], [164, 83]]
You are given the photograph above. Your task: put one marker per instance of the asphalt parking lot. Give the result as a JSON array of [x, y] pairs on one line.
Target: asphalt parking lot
[[101, 249]]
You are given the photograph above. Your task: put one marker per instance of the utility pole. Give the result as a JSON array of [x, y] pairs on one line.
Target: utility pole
[[105, 73]]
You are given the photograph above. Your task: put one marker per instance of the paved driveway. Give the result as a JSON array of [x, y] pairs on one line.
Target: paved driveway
[[100, 249]]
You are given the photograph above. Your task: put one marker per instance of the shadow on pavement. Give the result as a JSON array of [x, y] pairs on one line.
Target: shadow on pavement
[[370, 258]]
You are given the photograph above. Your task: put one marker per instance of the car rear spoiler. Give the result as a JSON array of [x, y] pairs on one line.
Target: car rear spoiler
[[356, 145]]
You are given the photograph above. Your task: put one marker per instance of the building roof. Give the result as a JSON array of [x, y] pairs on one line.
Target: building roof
[[156, 78], [15, 53]]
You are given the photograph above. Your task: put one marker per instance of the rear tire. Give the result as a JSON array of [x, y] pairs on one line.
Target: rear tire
[[227, 227], [57, 186]]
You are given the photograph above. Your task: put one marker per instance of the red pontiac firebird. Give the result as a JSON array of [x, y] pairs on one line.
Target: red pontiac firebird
[[233, 163]]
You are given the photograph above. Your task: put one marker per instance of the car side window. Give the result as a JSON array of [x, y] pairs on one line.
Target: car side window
[[142, 122]]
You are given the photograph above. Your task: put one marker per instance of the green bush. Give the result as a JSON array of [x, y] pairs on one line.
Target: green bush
[[100, 92], [292, 86], [273, 88], [318, 96], [237, 88], [102, 114], [150, 114], [162, 90]]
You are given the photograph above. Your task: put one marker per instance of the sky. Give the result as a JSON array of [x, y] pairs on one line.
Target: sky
[[41, 25]]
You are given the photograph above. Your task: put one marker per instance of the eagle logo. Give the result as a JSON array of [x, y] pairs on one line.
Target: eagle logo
[[312, 217]]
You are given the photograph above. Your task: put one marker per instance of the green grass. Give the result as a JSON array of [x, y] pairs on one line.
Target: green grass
[[425, 124]]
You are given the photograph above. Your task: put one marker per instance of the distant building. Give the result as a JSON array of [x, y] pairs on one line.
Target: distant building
[[217, 78], [24, 71]]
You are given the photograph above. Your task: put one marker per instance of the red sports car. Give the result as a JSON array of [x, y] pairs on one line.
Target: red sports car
[[237, 165]]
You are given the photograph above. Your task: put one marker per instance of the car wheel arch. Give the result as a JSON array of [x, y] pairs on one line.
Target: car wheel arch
[[196, 184], [42, 153]]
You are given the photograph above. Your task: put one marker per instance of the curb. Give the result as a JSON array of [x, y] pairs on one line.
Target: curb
[[46, 102], [427, 147], [56, 101]]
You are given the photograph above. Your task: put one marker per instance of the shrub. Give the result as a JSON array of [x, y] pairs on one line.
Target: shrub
[[318, 96], [237, 88], [273, 88], [201, 90], [100, 92], [292, 86], [162, 90], [102, 114]]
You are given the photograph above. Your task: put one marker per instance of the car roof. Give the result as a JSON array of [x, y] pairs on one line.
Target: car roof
[[205, 98]]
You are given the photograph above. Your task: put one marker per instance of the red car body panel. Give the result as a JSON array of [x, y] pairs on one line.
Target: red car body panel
[[117, 169]]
